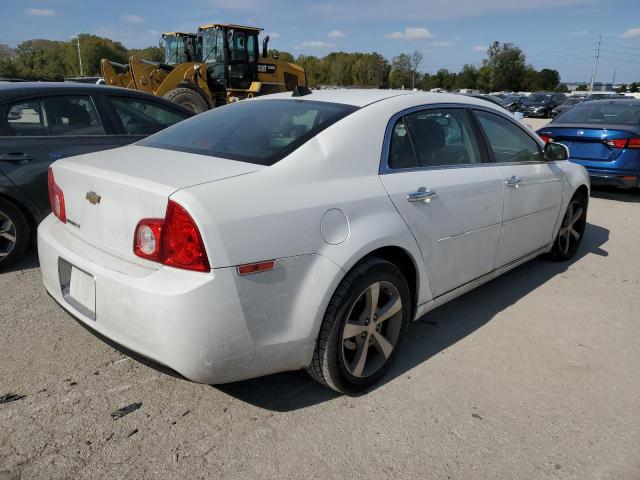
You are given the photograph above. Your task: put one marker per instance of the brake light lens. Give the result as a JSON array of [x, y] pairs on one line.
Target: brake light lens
[[56, 198], [174, 241], [617, 142], [546, 138], [634, 143]]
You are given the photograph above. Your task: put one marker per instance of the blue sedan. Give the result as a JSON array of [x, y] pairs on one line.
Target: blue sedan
[[604, 137]]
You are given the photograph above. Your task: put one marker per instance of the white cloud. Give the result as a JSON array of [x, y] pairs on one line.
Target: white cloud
[[39, 12], [130, 18], [410, 33], [336, 34], [479, 48], [273, 35], [316, 44], [632, 33], [578, 33]]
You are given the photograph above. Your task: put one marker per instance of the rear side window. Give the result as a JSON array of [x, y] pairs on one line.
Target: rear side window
[[507, 141], [54, 116], [260, 131], [601, 111], [433, 138], [139, 117]]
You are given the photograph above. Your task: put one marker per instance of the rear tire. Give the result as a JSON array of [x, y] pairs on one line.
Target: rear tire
[[187, 98], [14, 234], [363, 327], [571, 230]]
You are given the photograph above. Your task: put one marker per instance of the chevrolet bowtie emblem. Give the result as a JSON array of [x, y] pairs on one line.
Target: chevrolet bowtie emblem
[[93, 198]]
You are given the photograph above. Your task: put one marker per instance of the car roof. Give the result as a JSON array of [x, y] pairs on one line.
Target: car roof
[[613, 101], [10, 90], [363, 97]]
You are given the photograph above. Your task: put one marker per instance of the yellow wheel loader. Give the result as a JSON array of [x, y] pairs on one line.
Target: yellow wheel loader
[[179, 47], [231, 68]]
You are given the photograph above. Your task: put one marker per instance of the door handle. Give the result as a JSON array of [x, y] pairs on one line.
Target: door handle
[[15, 157], [513, 181], [425, 194]]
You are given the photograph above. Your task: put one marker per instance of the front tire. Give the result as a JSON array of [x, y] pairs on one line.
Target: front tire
[[571, 230], [188, 98], [14, 234], [363, 327]]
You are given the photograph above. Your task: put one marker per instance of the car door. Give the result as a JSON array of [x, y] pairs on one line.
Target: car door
[[438, 177], [136, 118], [532, 186], [39, 130]]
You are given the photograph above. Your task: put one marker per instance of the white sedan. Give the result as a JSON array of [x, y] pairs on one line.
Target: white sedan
[[303, 231]]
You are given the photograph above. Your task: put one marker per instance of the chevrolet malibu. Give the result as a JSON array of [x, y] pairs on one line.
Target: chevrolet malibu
[[302, 232]]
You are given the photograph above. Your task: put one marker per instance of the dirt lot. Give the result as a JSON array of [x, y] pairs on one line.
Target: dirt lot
[[532, 376]]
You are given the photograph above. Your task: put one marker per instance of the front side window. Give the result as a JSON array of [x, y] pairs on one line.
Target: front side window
[[253, 131], [55, 116], [140, 117], [433, 138], [507, 141]]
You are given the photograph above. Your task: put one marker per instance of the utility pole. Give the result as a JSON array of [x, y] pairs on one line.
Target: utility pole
[[595, 63], [80, 56], [613, 82]]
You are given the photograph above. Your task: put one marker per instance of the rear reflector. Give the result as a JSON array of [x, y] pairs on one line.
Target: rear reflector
[[56, 198], [174, 241], [250, 268]]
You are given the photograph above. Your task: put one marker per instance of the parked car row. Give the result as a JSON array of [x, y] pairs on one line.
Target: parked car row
[[44, 122]]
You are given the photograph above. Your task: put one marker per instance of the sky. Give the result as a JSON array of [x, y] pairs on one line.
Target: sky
[[559, 34]]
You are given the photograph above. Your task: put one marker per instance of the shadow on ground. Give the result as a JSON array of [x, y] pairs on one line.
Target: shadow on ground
[[29, 261], [631, 195], [431, 334]]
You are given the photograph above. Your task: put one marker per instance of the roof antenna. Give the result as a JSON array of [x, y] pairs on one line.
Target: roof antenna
[[299, 91]]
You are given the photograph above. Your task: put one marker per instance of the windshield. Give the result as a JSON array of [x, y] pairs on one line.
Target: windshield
[[601, 112], [253, 131], [173, 50], [511, 98], [213, 45], [539, 98]]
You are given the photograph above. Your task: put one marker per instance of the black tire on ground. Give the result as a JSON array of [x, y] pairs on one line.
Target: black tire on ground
[[330, 365], [14, 234], [571, 230], [187, 98]]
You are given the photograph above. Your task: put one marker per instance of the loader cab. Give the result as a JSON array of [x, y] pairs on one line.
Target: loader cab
[[181, 48], [231, 53]]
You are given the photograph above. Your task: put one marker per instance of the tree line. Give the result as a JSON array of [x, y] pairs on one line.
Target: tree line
[[504, 69]]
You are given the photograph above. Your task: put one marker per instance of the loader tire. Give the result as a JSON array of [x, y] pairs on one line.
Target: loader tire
[[187, 98]]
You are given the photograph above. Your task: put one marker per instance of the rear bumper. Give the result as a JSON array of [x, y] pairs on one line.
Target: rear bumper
[[620, 181], [216, 327]]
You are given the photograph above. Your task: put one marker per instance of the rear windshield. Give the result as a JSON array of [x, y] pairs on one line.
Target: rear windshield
[[602, 112], [261, 132]]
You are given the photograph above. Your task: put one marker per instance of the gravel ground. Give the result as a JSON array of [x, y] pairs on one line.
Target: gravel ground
[[532, 376]]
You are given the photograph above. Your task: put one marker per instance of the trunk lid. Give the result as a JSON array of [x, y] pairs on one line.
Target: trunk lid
[[588, 143], [107, 193]]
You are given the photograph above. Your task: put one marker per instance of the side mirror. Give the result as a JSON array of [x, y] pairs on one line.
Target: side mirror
[[554, 151]]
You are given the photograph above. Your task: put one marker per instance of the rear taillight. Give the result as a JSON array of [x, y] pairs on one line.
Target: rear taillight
[[174, 241], [617, 142], [546, 138], [56, 198], [634, 143]]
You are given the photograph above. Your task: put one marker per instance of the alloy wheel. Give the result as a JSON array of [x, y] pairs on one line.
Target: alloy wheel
[[572, 229], [372, 329], [7, 235]]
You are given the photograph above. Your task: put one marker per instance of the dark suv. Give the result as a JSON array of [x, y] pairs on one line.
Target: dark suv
[[43, 122], [540, 104]]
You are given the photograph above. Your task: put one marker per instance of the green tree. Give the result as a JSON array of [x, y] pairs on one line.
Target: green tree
[[508, 67], [634, 87], [313, 69], [8, 67], [549, 79], [623, 88], [467, 78], [562, 88], [402, 72], [41, 60], [582, 88], [92, 49], [370, 70], [154, 54]]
